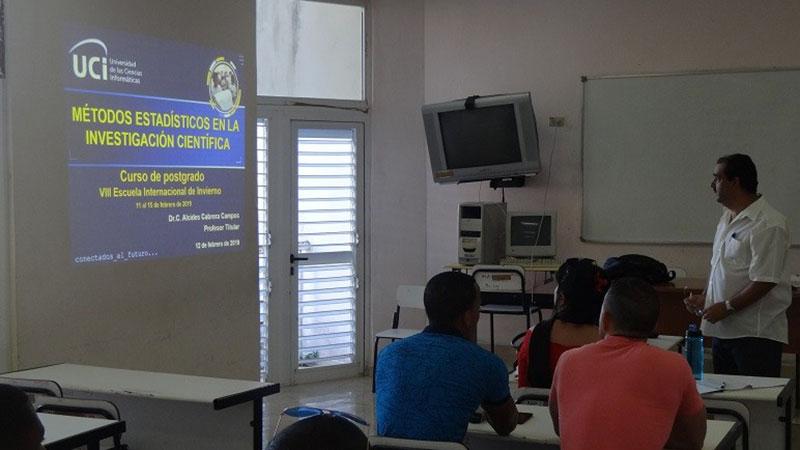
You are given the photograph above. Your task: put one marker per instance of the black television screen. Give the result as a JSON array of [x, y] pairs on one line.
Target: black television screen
[[480, 137]]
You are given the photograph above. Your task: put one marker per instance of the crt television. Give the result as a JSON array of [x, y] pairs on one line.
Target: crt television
[[494, 137], [531, 234]]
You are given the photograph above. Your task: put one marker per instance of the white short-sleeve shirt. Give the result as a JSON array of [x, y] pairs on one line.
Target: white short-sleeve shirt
[[751, 247]]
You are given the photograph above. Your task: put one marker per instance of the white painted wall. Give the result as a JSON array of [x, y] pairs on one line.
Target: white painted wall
[[479, 47], [6, 320], [398, 170], [195, 315]]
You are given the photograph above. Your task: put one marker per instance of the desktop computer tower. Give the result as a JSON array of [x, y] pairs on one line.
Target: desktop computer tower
[[481, 232]]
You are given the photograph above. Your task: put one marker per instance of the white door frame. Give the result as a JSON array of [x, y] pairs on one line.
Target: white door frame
[[282, 327]]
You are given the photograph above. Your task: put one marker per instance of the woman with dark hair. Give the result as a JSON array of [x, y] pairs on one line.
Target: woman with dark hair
[[578, 297]]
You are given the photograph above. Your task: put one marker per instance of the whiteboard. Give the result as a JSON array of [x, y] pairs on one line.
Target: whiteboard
[[650, 144]]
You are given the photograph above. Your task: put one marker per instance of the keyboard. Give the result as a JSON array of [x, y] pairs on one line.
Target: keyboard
[[544, 264]]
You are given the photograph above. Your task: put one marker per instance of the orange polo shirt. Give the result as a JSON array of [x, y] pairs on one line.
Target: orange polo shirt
[[620, 394]]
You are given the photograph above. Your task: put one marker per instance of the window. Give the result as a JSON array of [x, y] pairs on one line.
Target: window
[[262, 143], [311, 206], [310, 49], [326, 227]]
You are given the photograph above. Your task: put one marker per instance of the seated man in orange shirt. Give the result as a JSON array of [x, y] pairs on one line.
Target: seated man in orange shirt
[[621, 393]]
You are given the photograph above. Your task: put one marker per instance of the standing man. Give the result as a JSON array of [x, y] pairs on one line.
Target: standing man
[[744, 306]]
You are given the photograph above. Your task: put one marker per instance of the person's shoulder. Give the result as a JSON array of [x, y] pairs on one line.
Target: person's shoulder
[[416, 340], [579, 353], [771, 217], [660, 359]]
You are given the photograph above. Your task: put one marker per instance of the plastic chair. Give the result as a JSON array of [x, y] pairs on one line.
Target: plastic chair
[[39, 387], [81, 407], [736, 410], [502, 292], [408, 296], [387, 443]]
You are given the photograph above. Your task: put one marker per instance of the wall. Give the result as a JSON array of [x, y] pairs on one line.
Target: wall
[[397, 149], [477, 47], [196, 315], [5, 297]]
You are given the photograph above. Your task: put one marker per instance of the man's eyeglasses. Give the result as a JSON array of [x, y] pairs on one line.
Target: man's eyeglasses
[[302, 412]]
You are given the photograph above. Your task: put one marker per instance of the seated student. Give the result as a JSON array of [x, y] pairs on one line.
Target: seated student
[[321, 432], [429, 384], [580, 286], [20, 429], [621, 393]]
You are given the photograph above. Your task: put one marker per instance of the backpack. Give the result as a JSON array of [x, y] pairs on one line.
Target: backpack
[[641, 266]]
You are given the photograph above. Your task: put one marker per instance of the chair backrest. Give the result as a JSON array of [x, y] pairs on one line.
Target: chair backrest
[[411, 296], [387, 443], [41, 387], [733, 409], [482, 273], [77, 407], [501, 285]]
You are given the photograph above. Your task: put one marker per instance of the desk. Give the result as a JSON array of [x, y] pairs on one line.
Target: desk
[[538, 433], [669, 343], [674, 319], [168, 410], [537, 266], [68, 432], [770, 407]]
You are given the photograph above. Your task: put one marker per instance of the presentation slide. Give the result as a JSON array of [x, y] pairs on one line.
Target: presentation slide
[[155, 137]]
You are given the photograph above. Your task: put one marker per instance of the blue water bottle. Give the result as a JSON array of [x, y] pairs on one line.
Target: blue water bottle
[[694, 351]]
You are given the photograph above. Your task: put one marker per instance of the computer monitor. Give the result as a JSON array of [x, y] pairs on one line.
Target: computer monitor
[[531, 234]]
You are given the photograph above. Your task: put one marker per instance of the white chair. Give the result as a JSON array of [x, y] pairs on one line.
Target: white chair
[[39, 387], [83, 408], [502, 292], [408, 296], [387, 443], [736, 411]]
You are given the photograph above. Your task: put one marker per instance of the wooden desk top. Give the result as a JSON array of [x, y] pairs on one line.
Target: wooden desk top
[[674, 318], [697, 285]]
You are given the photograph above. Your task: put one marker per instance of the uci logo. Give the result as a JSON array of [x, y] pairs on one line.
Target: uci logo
[[94, 66]]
